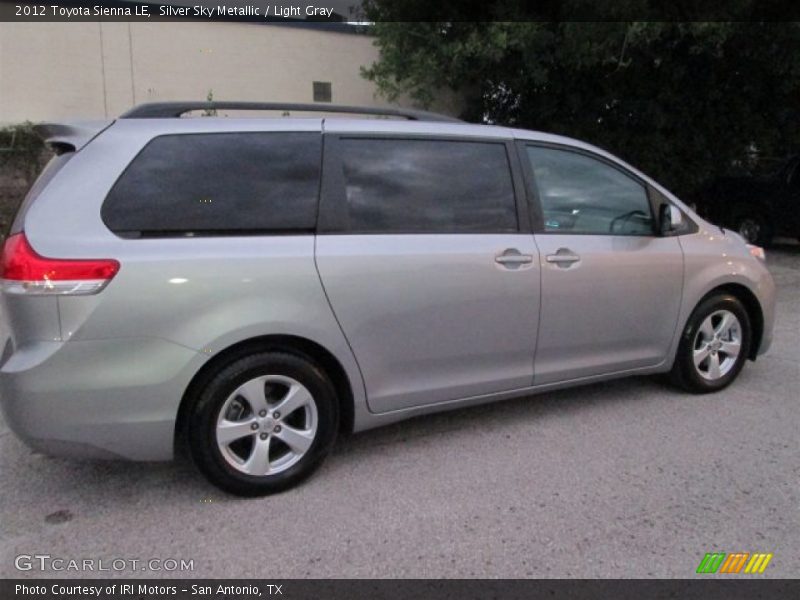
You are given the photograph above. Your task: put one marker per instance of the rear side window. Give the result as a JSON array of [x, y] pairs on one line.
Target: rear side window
[[222, 183], [427, 186]]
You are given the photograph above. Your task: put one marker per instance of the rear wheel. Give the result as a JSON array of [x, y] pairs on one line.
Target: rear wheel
[[714, 345], [263, 424]]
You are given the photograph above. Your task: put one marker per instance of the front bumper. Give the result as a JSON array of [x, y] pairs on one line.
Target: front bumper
[[115, 398], [766, 292]]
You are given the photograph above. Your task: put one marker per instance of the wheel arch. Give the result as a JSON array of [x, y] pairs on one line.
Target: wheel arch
[[292, 344]]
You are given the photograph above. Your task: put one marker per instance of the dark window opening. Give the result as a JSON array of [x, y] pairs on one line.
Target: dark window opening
[[323, 91]]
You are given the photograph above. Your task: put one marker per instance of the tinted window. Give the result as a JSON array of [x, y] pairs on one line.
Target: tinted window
[[580, 194], [427, 186], [224, 183]]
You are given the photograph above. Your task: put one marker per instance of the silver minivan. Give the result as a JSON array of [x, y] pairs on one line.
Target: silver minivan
[[248, 288]]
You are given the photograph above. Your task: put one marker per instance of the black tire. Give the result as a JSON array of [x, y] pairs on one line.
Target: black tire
[[684, 372], [753, 227], [205, 411]]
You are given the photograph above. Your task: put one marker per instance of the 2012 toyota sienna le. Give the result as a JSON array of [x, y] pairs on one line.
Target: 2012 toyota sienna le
[[251, 287]]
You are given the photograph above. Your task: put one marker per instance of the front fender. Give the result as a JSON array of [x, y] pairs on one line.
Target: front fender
[[713, 259]]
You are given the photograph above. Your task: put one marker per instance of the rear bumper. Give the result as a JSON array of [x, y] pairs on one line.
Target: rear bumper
[[114, 398]]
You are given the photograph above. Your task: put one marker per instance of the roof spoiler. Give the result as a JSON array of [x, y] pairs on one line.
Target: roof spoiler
[[70, 136]]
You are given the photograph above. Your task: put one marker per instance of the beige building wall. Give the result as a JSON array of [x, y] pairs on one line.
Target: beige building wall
[[98, 70]]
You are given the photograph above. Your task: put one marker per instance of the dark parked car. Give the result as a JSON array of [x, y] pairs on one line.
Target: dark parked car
[[758, 207]]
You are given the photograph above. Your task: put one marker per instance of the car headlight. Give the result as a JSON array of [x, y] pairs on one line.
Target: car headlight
[[757, 251]]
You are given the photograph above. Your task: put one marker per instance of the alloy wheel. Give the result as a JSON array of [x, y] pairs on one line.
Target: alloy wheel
[[267, 425], [717, 345]]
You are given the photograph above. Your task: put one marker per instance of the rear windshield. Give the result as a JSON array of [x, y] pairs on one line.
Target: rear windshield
[[221, 183], [54, 166]]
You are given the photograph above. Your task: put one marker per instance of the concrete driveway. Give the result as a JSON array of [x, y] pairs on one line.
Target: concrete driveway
[[625, 479]]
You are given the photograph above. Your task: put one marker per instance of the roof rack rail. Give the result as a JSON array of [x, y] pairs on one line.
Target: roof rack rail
[[166, 110]]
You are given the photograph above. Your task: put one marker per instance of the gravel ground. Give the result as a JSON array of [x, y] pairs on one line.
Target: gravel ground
[[623, 479]]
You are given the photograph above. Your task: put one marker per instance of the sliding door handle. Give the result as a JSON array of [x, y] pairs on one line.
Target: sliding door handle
[[514, 259]]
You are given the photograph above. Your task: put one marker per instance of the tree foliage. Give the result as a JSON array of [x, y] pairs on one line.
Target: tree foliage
[[22, 149], [684, 101]]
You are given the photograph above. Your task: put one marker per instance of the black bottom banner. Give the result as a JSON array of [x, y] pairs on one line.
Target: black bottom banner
[[388, 589]]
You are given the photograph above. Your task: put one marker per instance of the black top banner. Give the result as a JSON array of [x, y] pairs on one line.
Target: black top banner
[[370, 11]]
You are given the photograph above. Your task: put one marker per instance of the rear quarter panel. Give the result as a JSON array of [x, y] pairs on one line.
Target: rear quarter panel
[[203, 293]]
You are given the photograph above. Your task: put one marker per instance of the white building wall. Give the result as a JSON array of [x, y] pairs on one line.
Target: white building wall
[[96, 70]]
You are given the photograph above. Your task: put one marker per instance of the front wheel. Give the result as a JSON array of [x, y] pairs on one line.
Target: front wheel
[[263, 423], [714, 345]]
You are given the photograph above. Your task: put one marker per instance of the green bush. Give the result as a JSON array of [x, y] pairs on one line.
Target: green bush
[[22, 155], [21, 148]]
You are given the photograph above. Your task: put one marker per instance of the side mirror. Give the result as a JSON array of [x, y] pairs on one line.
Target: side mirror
[[670, 218]]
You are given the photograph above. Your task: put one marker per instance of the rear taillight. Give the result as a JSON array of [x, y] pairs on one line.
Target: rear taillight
[[23, 271]]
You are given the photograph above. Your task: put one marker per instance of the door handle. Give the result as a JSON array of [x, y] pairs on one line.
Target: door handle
[[520, 259], [507, 258], [563, 257]]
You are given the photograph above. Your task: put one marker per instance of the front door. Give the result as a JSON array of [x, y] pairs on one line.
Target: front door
[[611, 288]]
